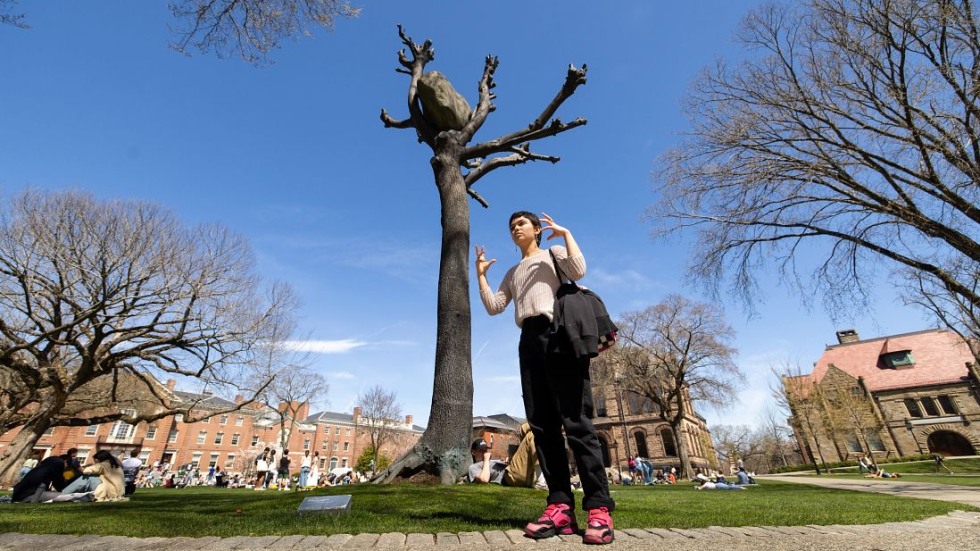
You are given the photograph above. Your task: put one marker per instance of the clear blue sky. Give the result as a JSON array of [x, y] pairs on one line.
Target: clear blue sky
[[295, 157]]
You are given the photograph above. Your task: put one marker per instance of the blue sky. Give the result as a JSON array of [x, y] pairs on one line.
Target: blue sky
[[295, 157]]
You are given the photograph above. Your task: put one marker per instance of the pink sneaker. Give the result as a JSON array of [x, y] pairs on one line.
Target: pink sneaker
[[558, 518], [600, 528]]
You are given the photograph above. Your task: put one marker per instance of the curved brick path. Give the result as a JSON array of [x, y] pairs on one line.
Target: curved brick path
[[954, 532]]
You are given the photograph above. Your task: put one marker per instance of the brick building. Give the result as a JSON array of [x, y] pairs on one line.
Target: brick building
[[227, 440], [889, 396]]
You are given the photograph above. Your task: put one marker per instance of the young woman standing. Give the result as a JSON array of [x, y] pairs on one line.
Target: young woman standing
[[556, 386]]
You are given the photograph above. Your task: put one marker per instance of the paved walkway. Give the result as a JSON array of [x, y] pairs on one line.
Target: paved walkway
[[958, 531]]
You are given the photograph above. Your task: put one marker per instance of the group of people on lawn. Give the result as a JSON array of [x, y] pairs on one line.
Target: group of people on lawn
[[62, 478]]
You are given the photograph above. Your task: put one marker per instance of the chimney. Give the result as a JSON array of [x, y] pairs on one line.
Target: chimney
[[845, 336], [171, 384], [408, 420], [357, 413]]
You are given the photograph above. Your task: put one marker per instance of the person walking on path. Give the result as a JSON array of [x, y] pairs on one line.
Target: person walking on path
[[941, 463], [555, 383]]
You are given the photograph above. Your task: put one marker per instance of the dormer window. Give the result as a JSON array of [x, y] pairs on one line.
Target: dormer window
[[897, 360]]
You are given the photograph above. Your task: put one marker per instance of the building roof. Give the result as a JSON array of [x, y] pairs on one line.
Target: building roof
[[204, 401], [330, 417], [939, 357], [481, 422]]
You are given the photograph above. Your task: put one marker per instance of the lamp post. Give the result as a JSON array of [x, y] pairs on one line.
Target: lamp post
[[619, 468]]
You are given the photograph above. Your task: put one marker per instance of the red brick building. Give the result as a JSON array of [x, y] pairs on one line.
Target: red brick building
[[227, 440]]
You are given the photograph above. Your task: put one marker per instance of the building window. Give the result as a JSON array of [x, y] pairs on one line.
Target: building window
[[234, 439], [600, 405], [853, 445], [929, 405], [913, 407], [326, 429], [306, 443], [202, 436], [196, 460], [151, 432], [348, 431], [213, 462], [895, 360], [172, 437], [945, 402], [145, 456], [255, 439], [333, 463], [336, 430], [875, 443], [343, 462], [239, 421], [346, 446], [83, 455], [336, 446], [179, 417], [218, 438], [670, 450], [91, 430], [49, 432], [206, 420], [121, 430], [230, 461], [641, 444], [223, 420], [324, 445]]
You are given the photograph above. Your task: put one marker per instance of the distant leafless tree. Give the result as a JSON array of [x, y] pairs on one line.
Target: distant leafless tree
[[457, 165], [250, 29], [851, 132], [798, 395], [293, 387], [98, 297], [381, 415], [677, 353]]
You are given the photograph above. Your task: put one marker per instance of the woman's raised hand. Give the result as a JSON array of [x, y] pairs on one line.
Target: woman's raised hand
[[550, 224], [482, 264]]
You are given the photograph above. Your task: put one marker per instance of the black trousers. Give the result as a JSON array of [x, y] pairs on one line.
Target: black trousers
[[558, 394]]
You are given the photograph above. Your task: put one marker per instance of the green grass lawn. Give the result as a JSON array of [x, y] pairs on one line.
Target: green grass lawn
[[198, 512], [967, 472]]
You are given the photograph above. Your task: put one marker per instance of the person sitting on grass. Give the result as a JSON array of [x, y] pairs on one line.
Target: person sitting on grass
[[520, 471], [112, 482], [35, 486], [743, 477], [706, 484]]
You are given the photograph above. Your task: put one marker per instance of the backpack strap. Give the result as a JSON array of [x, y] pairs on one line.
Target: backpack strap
[[554, 262]]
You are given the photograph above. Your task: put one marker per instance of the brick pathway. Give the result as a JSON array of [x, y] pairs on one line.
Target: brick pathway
[[960, 530]]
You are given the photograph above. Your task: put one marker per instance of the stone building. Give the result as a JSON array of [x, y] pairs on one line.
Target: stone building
[[913, 393], [228, 440], [629, 425]]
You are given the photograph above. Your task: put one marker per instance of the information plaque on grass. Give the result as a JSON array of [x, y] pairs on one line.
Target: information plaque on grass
[[329, 505]]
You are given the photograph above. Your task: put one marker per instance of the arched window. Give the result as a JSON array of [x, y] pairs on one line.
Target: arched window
[[670, 450], [333, 463], [641, 444]]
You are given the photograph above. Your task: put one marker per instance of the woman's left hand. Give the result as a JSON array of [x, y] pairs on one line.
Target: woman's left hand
[[550, 224]]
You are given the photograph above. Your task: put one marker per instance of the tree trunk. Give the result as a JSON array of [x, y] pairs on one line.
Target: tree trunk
[[682, 454], [13, 456], [443, 450]]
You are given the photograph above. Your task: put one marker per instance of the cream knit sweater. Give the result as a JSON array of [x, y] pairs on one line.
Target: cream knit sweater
[[532, 285]]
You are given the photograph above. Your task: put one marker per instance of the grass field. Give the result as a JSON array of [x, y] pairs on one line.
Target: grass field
[[967, 472], [197, 512]]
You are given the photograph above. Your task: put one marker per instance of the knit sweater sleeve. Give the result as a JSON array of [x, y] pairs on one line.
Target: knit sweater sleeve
[[495, 303]]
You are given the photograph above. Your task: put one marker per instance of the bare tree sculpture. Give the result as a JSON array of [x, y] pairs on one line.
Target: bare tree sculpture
[[457, 166]]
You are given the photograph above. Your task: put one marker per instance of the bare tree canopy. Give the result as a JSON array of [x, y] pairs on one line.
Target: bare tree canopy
[[675, 353], [855, 129], [294, 386], [120, 292], [8, 17], [250, 28]]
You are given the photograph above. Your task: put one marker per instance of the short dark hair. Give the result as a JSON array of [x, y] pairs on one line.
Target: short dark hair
[[533, 218], [72, 451], [134, 453]]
